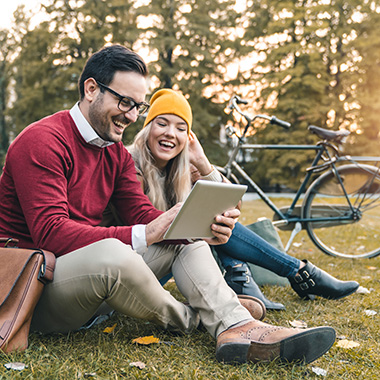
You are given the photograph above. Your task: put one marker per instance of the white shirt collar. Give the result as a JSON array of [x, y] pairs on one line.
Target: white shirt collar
[[85, 129]]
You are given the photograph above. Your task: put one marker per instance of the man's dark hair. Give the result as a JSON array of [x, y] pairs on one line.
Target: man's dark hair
[[103, 64]]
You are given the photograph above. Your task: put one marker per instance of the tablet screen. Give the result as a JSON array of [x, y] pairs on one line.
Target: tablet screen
[[206, 200]]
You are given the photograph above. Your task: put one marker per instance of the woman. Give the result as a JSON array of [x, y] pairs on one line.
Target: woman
[[169, 159]]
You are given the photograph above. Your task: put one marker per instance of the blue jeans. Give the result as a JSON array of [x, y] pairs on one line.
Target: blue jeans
[[245, 245]]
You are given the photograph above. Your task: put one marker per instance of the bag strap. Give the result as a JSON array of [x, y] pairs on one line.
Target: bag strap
[[8, 241], [46, 273], [44, 276]]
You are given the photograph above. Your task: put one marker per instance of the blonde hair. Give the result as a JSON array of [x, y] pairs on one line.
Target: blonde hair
[[164, 189]]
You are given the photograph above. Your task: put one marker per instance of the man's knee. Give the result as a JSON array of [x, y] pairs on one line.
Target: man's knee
[[113, 256], [122, 265]]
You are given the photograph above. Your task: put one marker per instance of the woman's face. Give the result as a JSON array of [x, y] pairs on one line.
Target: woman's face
[[167, 138]]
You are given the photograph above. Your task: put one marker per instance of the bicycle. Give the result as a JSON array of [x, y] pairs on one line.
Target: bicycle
[[340, 210]]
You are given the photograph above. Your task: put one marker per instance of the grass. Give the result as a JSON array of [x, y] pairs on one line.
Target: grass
[[93, 354]]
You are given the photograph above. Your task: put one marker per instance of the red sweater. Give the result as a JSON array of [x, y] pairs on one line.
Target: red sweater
[[55, 187]]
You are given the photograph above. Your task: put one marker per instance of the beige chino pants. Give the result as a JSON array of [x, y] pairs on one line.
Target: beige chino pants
[[110, 271]]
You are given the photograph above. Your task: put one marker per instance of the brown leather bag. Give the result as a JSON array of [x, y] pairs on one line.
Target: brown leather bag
[[23, 274]]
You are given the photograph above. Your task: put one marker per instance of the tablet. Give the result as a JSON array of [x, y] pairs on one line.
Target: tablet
[[206, 200]]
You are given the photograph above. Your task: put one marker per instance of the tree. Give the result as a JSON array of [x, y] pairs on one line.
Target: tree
[[305, 71], [52, 54], [307, 61], [4, 81], [366, 83], [191, 45]]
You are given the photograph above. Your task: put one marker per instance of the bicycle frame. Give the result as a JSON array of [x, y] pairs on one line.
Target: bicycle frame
[[339, 171], [232, 163], [321, 149], [288, 218]]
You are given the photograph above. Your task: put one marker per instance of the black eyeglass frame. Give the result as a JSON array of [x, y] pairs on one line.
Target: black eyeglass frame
[[141, 107]]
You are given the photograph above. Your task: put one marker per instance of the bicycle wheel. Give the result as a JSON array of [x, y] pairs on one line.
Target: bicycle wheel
[[358, 236]]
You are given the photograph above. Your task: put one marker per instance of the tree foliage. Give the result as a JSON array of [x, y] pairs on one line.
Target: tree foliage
[[307, 61], [4, 82], [310, 57], [192, 43]]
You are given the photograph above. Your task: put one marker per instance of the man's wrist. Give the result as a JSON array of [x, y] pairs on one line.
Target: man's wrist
[[139, 238]]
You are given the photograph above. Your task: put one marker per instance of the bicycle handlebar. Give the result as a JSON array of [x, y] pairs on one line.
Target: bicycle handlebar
[[281, 123], [239, 100], [233, 104]]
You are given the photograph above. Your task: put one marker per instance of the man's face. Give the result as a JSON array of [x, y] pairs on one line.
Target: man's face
[[104, 115]]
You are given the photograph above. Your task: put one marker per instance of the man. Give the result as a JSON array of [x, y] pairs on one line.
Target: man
[[60, 174]]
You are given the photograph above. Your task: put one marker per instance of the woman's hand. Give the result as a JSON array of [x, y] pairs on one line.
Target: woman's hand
[[198, 157], [223, 227]]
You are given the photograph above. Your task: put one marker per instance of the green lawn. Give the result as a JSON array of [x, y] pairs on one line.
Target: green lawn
[[94, 354]]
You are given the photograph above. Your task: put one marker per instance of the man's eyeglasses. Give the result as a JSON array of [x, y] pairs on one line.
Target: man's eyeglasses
[[126, 103]]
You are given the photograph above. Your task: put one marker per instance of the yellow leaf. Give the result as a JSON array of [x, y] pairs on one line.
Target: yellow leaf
[[109, 330], [146, 340], [344, 343]]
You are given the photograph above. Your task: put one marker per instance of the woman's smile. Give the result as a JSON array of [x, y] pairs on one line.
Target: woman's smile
[[167, 138]]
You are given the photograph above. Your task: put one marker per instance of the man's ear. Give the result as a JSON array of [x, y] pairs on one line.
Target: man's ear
[[91, 89]]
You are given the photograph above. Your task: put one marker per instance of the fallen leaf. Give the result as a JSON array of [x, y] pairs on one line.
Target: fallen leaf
[[298, 324], [370, 312], [109, 330], [319, 371], [362, 290], [371, 268], [139, 365], [16, 366], [347, 344], [146, 340]]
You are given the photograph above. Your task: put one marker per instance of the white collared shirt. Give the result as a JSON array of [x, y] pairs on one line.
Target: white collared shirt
[[85, 129], [91, 137]]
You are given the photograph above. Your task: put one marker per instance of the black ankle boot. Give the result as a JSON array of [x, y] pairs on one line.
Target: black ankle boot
[[311, 281], [239, 278]]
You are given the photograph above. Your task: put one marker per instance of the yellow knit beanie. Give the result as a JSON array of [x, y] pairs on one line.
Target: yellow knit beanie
[[167, 101]]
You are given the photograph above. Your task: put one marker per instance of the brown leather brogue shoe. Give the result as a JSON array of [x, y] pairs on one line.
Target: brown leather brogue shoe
[[255, 306], [258, 341]]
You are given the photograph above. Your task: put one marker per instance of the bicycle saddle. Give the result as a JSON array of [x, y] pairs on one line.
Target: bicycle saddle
[[336, 136]]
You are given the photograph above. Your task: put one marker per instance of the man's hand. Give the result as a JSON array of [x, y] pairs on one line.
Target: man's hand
[[155, 230], [223, 227]]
